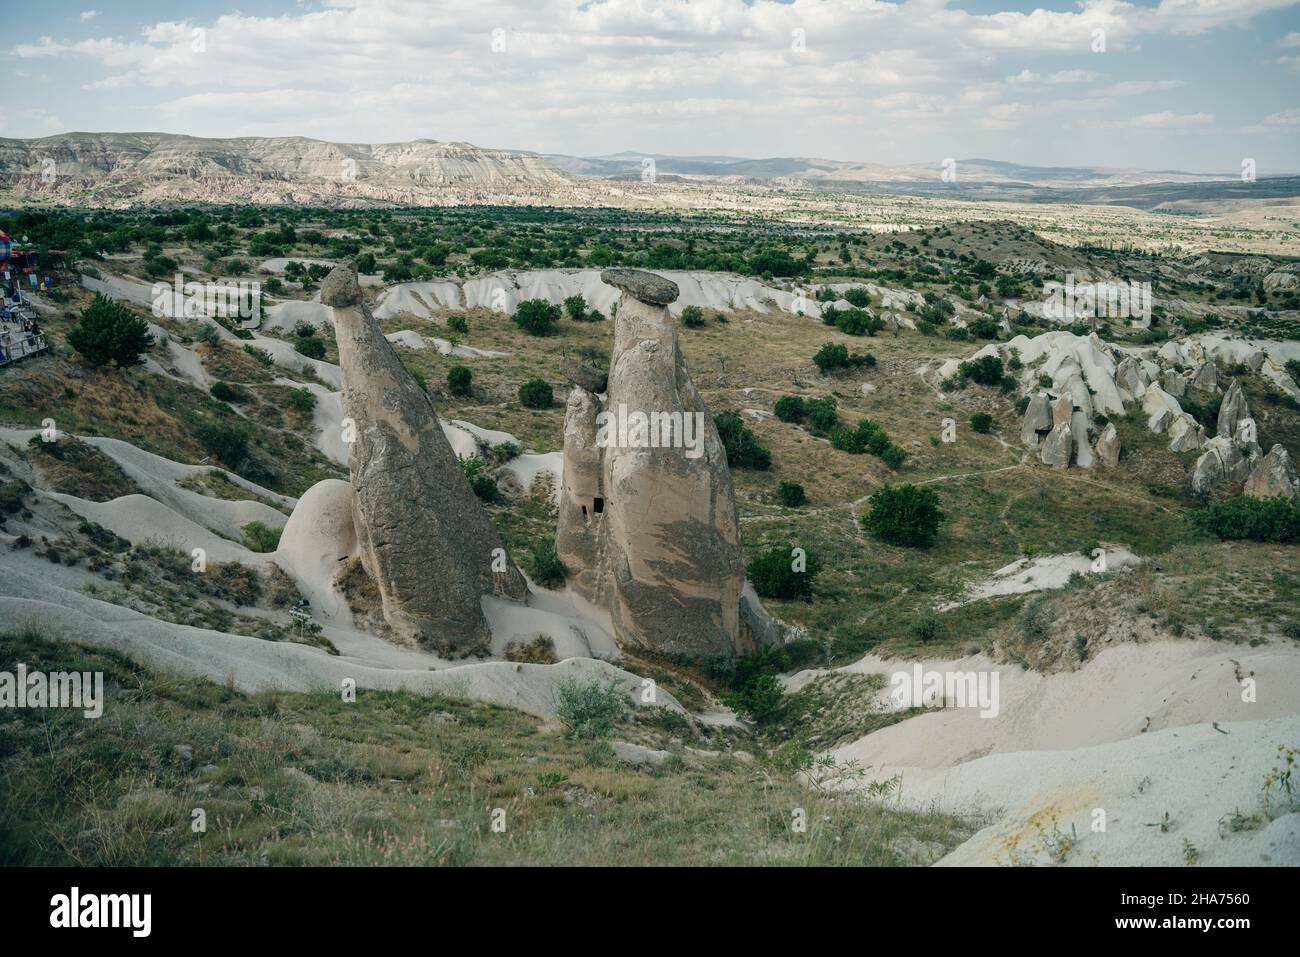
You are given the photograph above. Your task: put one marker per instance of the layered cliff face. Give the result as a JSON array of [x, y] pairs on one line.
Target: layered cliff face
[[423, 537], [113, 168], [647, 524]]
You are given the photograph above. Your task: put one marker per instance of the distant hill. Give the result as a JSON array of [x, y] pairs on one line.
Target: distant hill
[[124, 169], [825, 172], [113, 169]]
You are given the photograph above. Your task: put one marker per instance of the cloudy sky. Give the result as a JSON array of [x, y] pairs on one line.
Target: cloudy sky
[[1183, 84]]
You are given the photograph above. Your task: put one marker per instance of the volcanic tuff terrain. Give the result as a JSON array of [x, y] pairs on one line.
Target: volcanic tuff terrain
[[1123, 668]]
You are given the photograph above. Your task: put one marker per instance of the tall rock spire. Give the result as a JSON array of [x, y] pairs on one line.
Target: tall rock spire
[[647, 523], [424, 538]]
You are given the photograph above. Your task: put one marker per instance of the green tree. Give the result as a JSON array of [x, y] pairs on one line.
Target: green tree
[[791, 494], [576, 308], [537, 317], [784, 572], [459, 380], [907, 515], [536, 394], [743, 448], [108, 332]]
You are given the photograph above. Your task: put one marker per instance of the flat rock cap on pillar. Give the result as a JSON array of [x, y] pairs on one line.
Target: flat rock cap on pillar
[[340, 289], [642, 285]]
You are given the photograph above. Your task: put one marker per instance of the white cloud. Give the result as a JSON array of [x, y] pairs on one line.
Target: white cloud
[[1283, 118], [1169, 120], [88, 15], [1138, 87]]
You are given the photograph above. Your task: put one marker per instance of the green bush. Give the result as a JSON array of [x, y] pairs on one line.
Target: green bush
[[981, 422], [484, 486], [857, 296], [109, 332], [260, 537], [228, 442], [458, 324], [576, 308], [743, 448], [313, 347], [537, 317], [759, 698], [867, 436], [545, 567], [301, 400], [926, 628], [226, 392], [983, 328], [858, 322], [1274, 519], [773, 573], [588, 708], [460, 380], [822, 415], [536, 394], [906, 515], [835, 355], [790, 408], [791, 494], [986, 370], [692, 317]]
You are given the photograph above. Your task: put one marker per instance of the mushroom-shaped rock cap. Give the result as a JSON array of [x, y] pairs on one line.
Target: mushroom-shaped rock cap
[[340, 287], [642, 285]]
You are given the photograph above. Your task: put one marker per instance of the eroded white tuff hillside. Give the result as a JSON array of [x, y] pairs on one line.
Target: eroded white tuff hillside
[[119, 169]]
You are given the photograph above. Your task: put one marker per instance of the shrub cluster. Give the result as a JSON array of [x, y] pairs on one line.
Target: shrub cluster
[[743, 448], [535, 394], [537, 317], [779, 573], [834, 355], [907, 515], [1275, 520], [867, 436]]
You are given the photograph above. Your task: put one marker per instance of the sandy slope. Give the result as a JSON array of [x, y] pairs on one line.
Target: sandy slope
[[1057, 739], [1198, 775]]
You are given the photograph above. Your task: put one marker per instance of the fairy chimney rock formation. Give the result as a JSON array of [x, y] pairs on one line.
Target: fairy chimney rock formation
[[422, 535], [647, 524]]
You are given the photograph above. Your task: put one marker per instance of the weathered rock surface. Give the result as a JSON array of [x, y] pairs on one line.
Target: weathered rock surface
[[1161, 409], [583, 375], [1107, 448], [1057, 447], [1131, 378], [1062, 411], [1082, 447], [1232, 410], [1221, 461], [1272, 475], [1038, 419], [423, 537], [1205, 381], [647, 528], [645, 287], [1185, 433]]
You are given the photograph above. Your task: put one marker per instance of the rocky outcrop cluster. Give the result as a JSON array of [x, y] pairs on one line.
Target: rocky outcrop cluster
[[647, 521], [1063, 418], [423, 537]]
